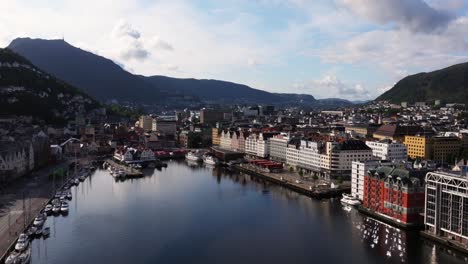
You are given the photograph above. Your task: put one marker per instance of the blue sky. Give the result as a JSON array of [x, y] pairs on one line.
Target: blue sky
[[352, 49]]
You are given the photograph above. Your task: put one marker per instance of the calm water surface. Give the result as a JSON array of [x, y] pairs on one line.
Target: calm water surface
[[195, 214]]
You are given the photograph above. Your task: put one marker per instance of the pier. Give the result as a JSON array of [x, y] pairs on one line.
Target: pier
[[300, 187], [129, 171]]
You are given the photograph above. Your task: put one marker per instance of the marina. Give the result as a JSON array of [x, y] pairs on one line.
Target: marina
[[219, 214]]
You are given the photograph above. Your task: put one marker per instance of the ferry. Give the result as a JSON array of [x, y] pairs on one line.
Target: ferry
[[210, 160], [194, 156], [350, 200]]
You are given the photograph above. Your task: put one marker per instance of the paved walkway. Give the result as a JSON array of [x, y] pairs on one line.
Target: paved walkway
[[22, 200]]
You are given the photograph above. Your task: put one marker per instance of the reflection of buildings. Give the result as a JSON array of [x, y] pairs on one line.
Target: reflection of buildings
[[447, 206]]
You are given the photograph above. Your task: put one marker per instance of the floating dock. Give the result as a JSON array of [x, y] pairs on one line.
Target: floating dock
[[130, 172]]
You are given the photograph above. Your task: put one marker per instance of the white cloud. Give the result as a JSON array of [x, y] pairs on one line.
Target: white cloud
[[124, 29], [331, 86], [160, 44]]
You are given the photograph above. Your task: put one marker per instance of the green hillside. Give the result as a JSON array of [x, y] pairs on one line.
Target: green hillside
[[450, 85]]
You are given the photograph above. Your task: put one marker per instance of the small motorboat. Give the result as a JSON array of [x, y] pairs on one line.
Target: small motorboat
[[56, 208], [39, 220], [76, 181], [64, 207], [347, 208], [38, 231], [32, 231], [46, 232], [24, 257], [12, 258], [69, 196], [82, 178], [210, 160], [48, 209], [22, 243], [350, 200]]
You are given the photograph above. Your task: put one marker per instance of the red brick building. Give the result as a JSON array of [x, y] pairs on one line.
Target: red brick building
[[393, 192]]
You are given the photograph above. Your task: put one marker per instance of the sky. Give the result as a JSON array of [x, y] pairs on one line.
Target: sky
[[350, 49]]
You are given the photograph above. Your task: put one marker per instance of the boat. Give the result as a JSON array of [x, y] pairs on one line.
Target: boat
[[24, 257], [82, 178], [210, 160], [64, 207], [38, 231], [22, 243], [76, 181], [11, 259], [48, 209], [46, 232], [31, 231], [350, 200], [194, 156], [39, 220], [347, 208], [56, 208], [69, 196]]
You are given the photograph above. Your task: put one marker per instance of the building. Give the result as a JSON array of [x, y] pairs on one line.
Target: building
[[359, 170], [145, 122], [418, 147], [396, 132], [215, 136], [445, 149], [394, 193], [446, 207], [225, 140], [278, 146], [388, 150], [165, 126], [16, 159], [365, 131], [210, 116]]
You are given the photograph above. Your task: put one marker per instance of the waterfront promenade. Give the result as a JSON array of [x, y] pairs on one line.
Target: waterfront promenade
[[22, 200], [293, 181]]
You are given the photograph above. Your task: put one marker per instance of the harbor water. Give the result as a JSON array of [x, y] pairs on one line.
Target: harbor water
[[189, 213]]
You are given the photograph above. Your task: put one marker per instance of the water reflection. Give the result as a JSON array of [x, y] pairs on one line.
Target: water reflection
[[193, 213]]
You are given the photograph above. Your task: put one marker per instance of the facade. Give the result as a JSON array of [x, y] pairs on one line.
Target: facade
[[418, 147], [16, 159], [165, 126], [257, 145], [446, 206], [394, 193], [359, 170], [210, 116], [445, 149], [215, 135], [225, 140], [387, 150], [396, 132], [278, 146], [146, 122]]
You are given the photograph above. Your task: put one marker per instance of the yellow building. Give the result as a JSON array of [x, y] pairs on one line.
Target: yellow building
[[146, 122], [215, 135], [418, 147]]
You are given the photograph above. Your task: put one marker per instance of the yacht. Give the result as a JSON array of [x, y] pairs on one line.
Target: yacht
[[194, 156], [64, 207], [350, 200], [210, 160]]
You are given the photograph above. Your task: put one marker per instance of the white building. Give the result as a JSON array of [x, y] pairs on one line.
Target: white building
[[358, 171], [387, 150], [225, 140], [257, 145], [16, 160], [278, 146]]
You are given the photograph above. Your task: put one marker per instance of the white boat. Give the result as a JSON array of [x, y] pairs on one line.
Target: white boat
[[76, 182], [194, 156], [39, 220], [64, 207], [69, 195], [24, 257], [347, 208], [210, 160], [82, 178], [48, 209], [56, 208], [22, 243], [11, 259], [350, 200], [46, 232]]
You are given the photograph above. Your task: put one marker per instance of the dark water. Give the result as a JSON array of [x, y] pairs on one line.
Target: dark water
[[193, 214]]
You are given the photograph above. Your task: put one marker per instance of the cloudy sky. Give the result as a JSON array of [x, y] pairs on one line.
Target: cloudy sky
[[353, 49]]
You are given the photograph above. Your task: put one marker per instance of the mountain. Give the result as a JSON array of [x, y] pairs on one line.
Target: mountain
[[105, 80], [450, 85], [95, 75], [27, 90], [225, 92]]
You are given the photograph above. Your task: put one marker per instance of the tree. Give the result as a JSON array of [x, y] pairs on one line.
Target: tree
[[340, 179], [315, 177], [291, 169], [301, 173]]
